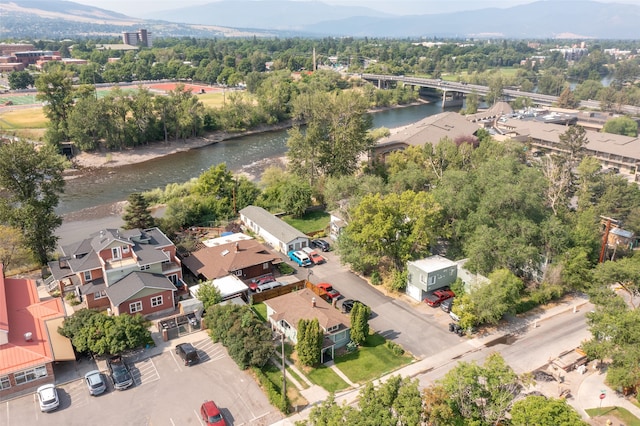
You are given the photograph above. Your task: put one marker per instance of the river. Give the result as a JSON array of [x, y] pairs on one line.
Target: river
[[248, 153]]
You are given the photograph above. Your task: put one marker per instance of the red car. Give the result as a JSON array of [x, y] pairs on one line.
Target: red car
[[211, 415], [331, 292], [261, 280], [436, 297], [315, 257]]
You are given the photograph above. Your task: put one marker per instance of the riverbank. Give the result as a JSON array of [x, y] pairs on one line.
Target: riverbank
[[87, 161]]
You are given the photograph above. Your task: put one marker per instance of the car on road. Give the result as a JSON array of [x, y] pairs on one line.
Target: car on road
[[187, 353], [211, 415], [253, 286], [299, 257], [95, 382], [315, 257], [48, 398], [119, 372], [332, 293], [436, 297], [321, 244], [347, 305]]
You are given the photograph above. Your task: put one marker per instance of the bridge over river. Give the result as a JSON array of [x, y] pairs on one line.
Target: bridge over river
[[454, 92]]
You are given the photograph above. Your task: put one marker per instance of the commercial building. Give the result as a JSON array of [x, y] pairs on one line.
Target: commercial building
[[139, 38]]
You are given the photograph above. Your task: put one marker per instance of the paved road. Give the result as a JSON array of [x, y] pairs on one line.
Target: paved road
[[420, 329]]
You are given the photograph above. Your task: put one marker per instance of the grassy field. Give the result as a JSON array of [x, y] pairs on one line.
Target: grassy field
[[325, 377], [619, 413], [24, 99], [311, 222], [31, 118], [261, 310], [370, 361]]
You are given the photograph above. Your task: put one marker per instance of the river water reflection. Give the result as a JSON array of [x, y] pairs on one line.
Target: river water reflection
[[111, 185]]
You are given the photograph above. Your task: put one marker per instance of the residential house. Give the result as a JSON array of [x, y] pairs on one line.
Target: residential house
[[429, 274], [276, 232], [131, 271], [336, 224], [284, 312], [243, 258], [29, 339]]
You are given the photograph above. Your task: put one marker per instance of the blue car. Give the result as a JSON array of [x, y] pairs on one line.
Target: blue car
[[300, 258]]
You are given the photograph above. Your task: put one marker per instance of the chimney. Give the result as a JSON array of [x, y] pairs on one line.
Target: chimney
[[313, 302], [28, 336], [237, 247]]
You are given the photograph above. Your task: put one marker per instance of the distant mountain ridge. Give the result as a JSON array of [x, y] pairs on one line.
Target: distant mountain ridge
[[285, 18]]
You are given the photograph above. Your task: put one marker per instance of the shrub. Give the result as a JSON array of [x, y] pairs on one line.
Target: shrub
[[394, 347], [285, 269], [375, 278], [273, 394]]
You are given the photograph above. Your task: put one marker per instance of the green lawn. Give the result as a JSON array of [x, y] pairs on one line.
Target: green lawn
[[311, 222], [619, 413], [370, 361], [293, 374], [327, 378], [261, 310]]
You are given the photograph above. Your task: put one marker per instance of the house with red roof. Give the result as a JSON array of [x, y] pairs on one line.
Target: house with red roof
[[126, 271], [29, 339]]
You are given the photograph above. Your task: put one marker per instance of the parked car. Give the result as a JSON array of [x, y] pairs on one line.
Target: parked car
[[211, 415], [253, 286], [447, 304], [48, 398], [331, 292], [120, 375], [268, 286], [187, 353], [321, 244], [347, 305], [95, 382], [436, 297], [315, 257], [299, 257]]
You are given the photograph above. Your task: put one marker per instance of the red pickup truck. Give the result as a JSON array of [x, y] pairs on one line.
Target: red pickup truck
[[436, 297]]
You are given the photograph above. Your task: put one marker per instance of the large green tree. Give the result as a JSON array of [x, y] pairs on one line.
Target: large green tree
[[20, 80], [55, 89], [98, 333], [31, 180], [310, 338], [136, 213], [542, 411], [626, 126], [497, 297], [359, 322]]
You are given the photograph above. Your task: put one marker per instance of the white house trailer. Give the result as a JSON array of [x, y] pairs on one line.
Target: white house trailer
[[275, 232]]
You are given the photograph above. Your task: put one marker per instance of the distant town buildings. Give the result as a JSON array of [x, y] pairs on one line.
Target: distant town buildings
[[139, 38]]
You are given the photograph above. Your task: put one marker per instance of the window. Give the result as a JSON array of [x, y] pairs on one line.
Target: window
[[432, 279], [265, 265], [423, 279], [238, 272], [156, 301], [135, 307], [4, 382], [99, 295], [115, 253], [125, 249], [451, 272], [87, 276], [30, 375], [144, 267]]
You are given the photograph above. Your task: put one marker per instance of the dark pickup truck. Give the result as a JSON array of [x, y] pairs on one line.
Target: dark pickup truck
[[119, 372]]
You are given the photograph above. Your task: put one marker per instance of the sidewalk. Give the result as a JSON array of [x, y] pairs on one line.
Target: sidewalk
[[449, 356], [589, 396]]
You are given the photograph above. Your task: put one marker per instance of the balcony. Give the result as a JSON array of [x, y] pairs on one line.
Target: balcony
[[115, 264]]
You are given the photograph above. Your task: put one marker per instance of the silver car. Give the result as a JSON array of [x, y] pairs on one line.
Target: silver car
[[48, 398], [95, 382]]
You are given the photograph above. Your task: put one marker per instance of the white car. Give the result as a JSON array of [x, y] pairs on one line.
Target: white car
[[48, 398]]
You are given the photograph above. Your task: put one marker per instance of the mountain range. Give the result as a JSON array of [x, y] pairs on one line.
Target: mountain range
[[540, 19]]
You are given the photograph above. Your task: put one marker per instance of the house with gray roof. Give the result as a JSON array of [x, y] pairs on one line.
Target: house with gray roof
[[275, 232], [126, 271]]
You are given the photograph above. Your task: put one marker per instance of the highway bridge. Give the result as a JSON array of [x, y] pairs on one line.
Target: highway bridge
[[453, 92]]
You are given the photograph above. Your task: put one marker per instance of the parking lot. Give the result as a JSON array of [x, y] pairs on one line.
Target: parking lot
[[165, 393]]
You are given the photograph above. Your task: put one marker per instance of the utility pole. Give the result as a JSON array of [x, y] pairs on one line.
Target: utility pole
[[284, 370]]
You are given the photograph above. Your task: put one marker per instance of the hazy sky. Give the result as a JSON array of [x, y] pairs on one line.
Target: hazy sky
[[137, 8]]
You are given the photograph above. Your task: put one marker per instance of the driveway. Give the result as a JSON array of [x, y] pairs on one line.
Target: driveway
[[165, 393], [420, 329]]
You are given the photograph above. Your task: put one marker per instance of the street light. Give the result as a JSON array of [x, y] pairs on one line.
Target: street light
[[309, 273]]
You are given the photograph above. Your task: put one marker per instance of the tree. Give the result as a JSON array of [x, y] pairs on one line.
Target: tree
[[136, 213], [542, 411], [31, 179], [482, 393], [359, 322], [310, 338], [395, 228], [567, 100], [559, 179], [20, 80], [496, 90], [55, 89], [12, 248], [621, 126], [209, 295], [95, 332], [573, 141], [497, 297], [296, 197]]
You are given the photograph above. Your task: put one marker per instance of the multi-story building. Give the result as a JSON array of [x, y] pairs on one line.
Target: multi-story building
[[140, 38], [131, 271]]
